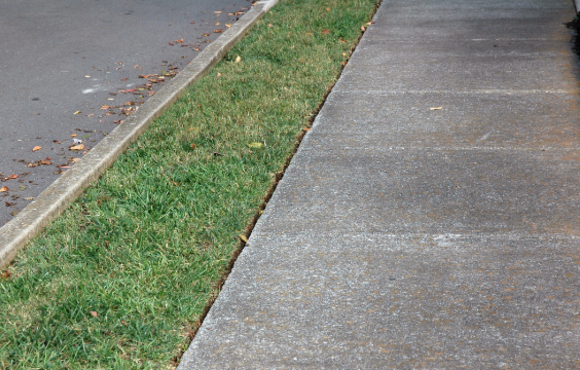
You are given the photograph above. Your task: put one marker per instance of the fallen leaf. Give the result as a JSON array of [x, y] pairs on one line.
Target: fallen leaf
[[325, 32], [343, 41], [90, 115], [178, 41], [12, 177], [29, 198], [306, 129], [73, 135], [4, 189], [105, 107], [327, 9], [228, 25], [45, 162], [270, 25], [77, 112], [77, 147], [362, 28], [124, 322], [75, 160], [206, 34], [22, 187], [14, 213], [243, 237], [436, 108], [191, 22], [9, 204], [6, 274], [87, 76], [36, 148], [218, 76], [94, 314], [256, 145], [218, 12], [219, 30], [137, 66], [238, 59], [217, 24], [171, 44], [192, 146], [56, 141]]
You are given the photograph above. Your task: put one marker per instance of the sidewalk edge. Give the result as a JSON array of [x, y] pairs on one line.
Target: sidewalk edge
[[56, 198]]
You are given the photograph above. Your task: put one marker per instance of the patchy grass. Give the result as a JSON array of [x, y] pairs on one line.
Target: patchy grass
[[122, 278]]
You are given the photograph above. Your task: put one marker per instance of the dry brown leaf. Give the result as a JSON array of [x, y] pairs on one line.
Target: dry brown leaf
[[3, 189], [77, 112], [238, 59], [36, 148], [243, 237], [94, 314], [73, 135], [436, 108], [77, 147]]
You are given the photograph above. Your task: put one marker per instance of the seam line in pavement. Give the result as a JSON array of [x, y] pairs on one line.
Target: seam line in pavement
[[56, 198], [459, 92]]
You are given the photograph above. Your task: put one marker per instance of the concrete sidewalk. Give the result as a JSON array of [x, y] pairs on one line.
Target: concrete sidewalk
[[415, 238]]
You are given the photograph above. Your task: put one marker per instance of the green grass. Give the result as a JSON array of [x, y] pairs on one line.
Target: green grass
[[145, 246]]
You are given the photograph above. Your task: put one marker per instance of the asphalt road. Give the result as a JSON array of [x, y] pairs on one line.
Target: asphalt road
[[61, 57]]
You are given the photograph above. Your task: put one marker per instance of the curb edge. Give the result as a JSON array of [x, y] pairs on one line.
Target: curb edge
[[60, 194]]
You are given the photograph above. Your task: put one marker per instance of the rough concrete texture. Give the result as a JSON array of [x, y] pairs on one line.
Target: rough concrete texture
[[52, 201], [408, 238]]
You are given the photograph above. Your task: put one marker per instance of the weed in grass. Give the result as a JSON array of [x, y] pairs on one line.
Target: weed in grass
[[120, 280]]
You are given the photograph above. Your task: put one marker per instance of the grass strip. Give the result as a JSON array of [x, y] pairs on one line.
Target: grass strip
[[121, 279]]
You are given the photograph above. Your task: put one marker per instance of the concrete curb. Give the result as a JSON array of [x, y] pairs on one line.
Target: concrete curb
[[54, 200]]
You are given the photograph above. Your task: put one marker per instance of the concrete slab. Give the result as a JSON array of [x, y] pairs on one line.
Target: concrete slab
[[384, 301], [433, 190], [408, 238], [378, 120]]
